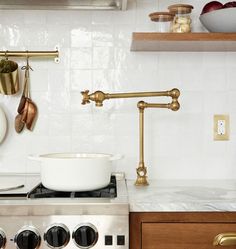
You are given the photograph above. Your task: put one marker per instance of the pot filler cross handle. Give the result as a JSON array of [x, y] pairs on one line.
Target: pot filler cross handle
[[98, 97]]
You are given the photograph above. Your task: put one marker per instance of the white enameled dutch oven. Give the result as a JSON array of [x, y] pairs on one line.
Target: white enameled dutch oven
[[75, 172]]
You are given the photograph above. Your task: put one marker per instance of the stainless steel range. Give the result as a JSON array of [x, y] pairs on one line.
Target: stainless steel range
[[34, 217]]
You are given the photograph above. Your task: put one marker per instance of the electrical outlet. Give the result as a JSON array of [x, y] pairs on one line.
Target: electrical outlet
[[221, 127]]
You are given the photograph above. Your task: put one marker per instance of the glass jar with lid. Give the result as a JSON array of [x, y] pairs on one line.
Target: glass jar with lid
[[163, 20], [182, 20]]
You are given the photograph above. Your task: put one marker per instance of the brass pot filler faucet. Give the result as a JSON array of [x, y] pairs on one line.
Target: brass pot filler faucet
[[100, 96]]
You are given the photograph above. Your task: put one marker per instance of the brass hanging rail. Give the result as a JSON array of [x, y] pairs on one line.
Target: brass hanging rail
[[26, 53]]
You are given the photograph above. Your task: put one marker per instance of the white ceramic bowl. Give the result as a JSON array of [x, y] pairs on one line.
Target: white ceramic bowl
[[222, 20]]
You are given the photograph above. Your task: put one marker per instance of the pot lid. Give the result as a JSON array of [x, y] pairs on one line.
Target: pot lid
[[180, 8], [161, 16]]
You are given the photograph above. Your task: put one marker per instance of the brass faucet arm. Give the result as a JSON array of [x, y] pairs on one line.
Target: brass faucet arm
[[138, 94], [143, 105], [100, 96], [174, 105]]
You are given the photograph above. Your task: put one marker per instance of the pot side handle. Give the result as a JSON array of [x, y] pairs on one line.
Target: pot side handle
[[116, 157]]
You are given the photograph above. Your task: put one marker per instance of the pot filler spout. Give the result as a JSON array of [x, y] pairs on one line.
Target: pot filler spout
[[98, 97]]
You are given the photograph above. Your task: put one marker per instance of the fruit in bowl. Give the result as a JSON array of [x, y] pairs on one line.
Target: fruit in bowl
[[229, 5], [214, 5], [218, 17]]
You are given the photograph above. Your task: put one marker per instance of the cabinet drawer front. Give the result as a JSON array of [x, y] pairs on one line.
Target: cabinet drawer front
[[184, 235]]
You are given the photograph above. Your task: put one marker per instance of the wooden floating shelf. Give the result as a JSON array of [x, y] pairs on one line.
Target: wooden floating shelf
[[185, 42]]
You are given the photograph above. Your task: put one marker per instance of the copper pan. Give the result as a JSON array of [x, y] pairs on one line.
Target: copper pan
[[24, 94], [27, 109], [29, 114], [19, 124], [23, 106], [32, 111]]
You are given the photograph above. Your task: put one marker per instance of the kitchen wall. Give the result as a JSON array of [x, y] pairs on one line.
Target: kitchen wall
[[95, 54]]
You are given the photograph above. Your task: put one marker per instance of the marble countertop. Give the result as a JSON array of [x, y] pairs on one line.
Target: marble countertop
[[183, 195], [159, 196]]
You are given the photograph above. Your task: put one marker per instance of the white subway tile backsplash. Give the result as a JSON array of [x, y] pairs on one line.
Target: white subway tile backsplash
[[65, 60], [81, 58], [80, 79], [59, 17], [146, 27], [59, 81], [125, 17], [59, 124], [192, 102], [232, 129], [79, 17], [102, 35], [216, 102], [41, 124], [144, 8], [230, 78], [9, 17], [59, 102], [11, 36], [59, 143], [101, 17], [122, 35], [95, 55], [37, 36], [82, 143], [104, 79], [81, 36], [75, 104], [42, 101], [34, 17], [162, 5], [13, 163], [39, 81], [58, 36], [81, 124], [103, 58]]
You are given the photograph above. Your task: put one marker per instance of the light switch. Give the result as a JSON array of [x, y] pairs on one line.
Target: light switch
[[221, 127]]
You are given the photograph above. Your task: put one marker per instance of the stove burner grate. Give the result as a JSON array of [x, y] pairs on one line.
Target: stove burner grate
[[108, 192]]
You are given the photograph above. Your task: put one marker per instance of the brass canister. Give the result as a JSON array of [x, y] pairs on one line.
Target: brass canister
[[9, 78]]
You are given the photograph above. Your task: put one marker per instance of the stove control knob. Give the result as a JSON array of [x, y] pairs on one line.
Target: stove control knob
[[2, 239], [57, 236], [27, 237], [85, 236]]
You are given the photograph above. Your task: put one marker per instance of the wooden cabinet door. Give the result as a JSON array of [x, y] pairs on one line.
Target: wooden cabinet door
[[184, 235]]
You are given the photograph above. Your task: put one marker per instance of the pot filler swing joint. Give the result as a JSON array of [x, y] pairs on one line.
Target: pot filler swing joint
[[98, 97]]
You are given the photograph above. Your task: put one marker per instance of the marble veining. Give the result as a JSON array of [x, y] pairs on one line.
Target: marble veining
[[183, 195]]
